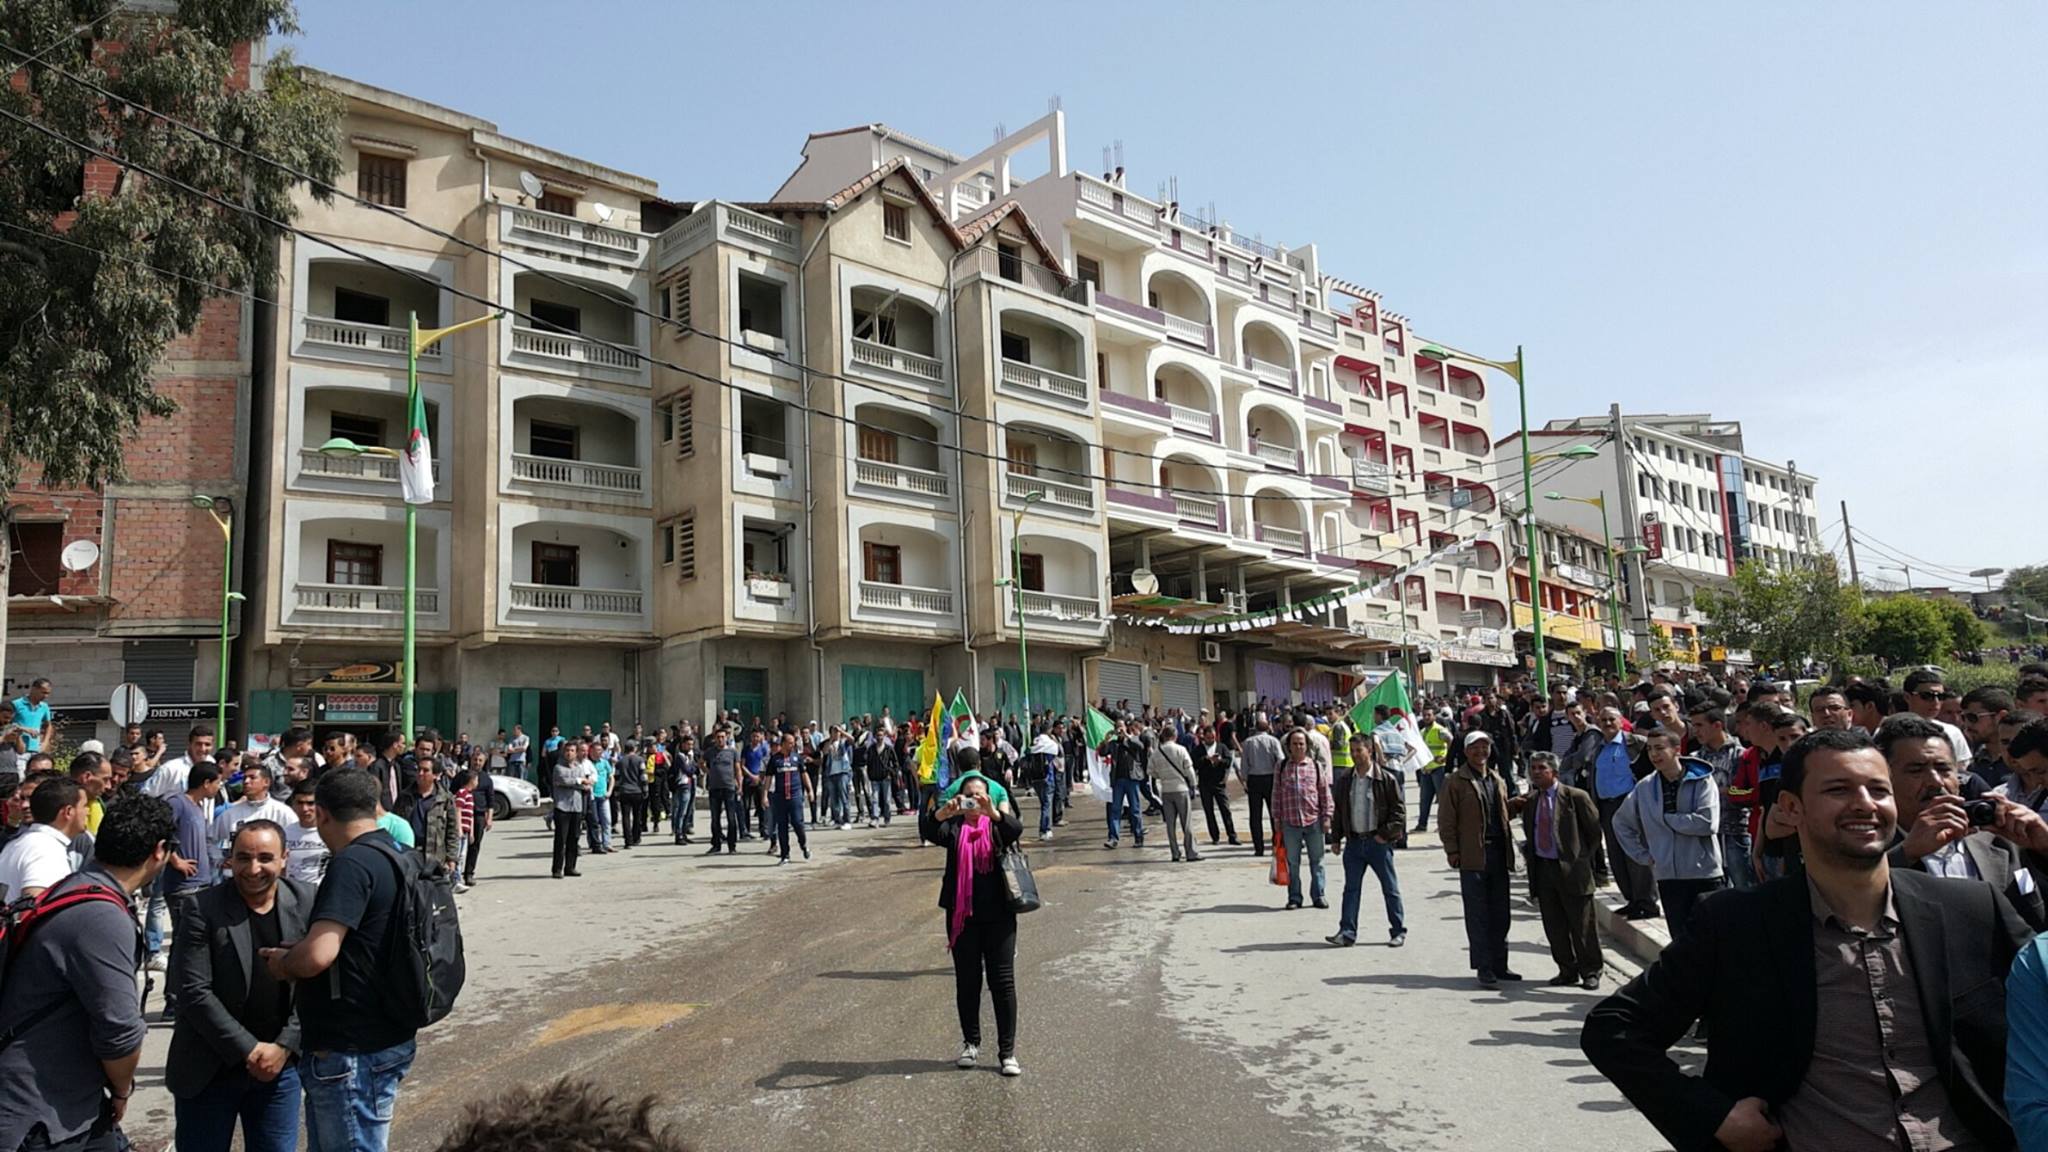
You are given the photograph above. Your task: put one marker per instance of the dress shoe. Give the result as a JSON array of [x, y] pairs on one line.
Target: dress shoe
[[1486, 979], [1322, 904], [1562, 979], [1507, 975], [1590, 983], [572, 872], [1292, 905]]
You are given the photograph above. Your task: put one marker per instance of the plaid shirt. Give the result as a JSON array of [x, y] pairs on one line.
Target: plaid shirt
[[1301, 795]]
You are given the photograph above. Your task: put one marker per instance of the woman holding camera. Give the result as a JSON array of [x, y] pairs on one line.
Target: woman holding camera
[[981, 930]]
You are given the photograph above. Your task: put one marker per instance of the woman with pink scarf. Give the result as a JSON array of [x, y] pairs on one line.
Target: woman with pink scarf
[[981, 930]]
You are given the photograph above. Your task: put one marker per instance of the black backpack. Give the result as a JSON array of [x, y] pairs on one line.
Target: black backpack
[[426, 968], [18, 917]]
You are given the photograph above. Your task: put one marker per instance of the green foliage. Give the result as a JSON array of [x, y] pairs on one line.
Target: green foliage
[[81, 331], [1782, 615], [1965, 632], [1905, 630], [1661, 650]]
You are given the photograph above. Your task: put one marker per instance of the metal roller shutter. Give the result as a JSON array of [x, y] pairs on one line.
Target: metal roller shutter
[[1120, 681], [1180, 689]]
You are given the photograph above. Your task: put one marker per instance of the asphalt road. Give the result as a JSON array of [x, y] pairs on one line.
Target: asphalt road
[[1164, 1006]]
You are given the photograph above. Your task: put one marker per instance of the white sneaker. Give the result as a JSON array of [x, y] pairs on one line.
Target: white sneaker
[[159, 963], [461, 888], [969, 1053], [1044, 836], [1011, 1067]]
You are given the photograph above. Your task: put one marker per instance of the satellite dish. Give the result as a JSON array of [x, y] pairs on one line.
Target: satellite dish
[[603, 212], [1144, 582], [79, 555], [531, 185]]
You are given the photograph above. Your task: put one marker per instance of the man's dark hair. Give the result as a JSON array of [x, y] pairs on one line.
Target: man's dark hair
[[48, 762], [40, 682], [1988, 697], [51, 797], [1708, 714], [87, 764], [433, 734], [1760, 689], [258, 825], [2034, 668], [294, 735], [1763, 711], [965, 760], [203, 773], [1792, 776], [1904, 727], [132, 828], [390, 739], [2029, 685], [309, 788], [1657, 692], [1872, 695], [347, 794], [568, 1114], [121, 758], [259, 769], [1826, 690], [1920, 678], [197, 731], [2032, 738]]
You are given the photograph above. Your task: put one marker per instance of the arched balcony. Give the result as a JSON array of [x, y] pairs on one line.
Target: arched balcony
[[1060, 582], [1047, 466], [569, 449], [1272, 437], [1269, 357], [358, 311], [896, 453], [1277, 519], [905, 575], [564, 573], [369, 417], [583, 329], [1190, 405], [1043, 360], [1196, 491], [350, 570], [1184, 308], [1470, 439], [894, 337]]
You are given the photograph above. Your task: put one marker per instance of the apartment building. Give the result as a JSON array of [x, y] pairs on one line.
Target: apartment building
[[1578, 629], [536, 560], [1695, 501]]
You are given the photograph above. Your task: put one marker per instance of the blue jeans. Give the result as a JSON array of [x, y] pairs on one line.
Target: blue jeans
[[350, 1095], [682, 812], [839, 798], [788, 814], [1735, 861], [1360, 853], [1294, 840], [269, 1113], [1126, 797], [1426, 782], [600, 827], [1047, 799], [881, 799]]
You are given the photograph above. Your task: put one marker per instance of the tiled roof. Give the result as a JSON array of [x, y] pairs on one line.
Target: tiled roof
[[982, 225]]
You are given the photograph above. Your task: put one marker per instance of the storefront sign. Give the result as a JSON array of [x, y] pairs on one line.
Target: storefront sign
[[1465, 655], [357, 708], [380, 674]]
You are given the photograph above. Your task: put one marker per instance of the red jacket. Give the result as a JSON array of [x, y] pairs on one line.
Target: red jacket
[[1742, 790]]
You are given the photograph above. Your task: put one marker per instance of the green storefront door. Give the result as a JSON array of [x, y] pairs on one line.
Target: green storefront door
[[576, 707], [745, 692], [865, 690], [520, 706], [1048, 690]]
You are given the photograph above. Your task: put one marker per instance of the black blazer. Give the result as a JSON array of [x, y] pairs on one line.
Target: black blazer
[[990, 898], [211, 967], [1746, 967]]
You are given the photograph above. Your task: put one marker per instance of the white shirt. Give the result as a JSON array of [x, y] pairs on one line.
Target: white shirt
[[233, 816], [1951, 861], [37, 858], [307, 852]]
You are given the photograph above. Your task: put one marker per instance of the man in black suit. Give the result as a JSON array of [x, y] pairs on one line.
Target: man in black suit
[[1560, 829], [1853, 1006], [1935, 833], [232, 1054]]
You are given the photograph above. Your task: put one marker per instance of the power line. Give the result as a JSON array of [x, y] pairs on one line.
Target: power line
[[61, 41], [1958, 573]]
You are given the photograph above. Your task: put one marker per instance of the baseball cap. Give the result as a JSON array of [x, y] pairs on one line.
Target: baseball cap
[[1475, 735], [93, 746]]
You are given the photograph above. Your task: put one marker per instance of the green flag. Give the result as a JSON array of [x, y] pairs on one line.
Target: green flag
[[1098, 729], [960, 707], [1390, 693]]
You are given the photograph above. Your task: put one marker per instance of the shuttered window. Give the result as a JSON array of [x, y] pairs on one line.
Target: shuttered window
[[1120, 681], [684, 404], [686, 546]]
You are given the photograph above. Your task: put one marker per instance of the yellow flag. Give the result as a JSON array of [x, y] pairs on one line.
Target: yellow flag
[[928, 748]]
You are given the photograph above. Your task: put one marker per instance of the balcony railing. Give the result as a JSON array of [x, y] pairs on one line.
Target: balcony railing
[[1278, 375], [1059, 493], [1067, 390], [1193, 421], [576, 474], [570, 349], [1286, 539], [1194, 332], [775, 590], [582, 601], [368, 599], [580, 237], [906, 598], [901, 478], [379, 338], [875, 355], [1284, 455], [1062, 608], [1318, 322], [313, 462], [1199, 511], [1135, 311], [1116, 202]]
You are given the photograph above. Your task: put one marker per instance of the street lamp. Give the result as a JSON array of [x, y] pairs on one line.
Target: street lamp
[[1900, 568], [418, 340], [222, 510], [1016, 583], [1613, 583]]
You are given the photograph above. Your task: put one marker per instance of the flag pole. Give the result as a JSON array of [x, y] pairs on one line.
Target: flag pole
[[410, 674]]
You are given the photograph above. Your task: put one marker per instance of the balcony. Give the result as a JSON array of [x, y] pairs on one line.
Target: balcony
[[1108, 202], [775, 590], [1199, 512], [564, 350], [1051, 493], [579, 475], [730, 225], [579, 601], [384, 469], [356, 311], [901, 478], [906, 598], [1285, 539], [1284, 456], [1276, 376], [1044, 383], [583, 239], [1059, 609], [375, 605], [1199, 422], [1195, 332], [575, 326], [925, 369], [350, 336]]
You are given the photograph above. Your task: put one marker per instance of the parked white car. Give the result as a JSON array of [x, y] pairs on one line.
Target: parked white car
[[515, 797]]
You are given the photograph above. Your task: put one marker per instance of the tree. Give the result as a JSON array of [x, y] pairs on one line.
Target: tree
[[1966, 633], [1782, 615], [1905, 629], [101, 267]]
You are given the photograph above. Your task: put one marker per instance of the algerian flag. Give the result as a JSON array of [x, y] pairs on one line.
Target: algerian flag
[[965, 730], [416, 467], [1098, 730], [1393, 694]]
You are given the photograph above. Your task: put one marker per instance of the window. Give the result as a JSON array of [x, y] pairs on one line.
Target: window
[[1643, 485], [354, 564], [1023, 457], [1089, 269], [896, 221], [684, 405], [1101, 370], [553, 441], [37, 563], [552, 317], [380, 179], [364, 430], [361, 308], [555, 564], [879, 329], [557, 203], [1010, 262], [764, 552], [675, 299], [667, 415], [763, 427], [760, 305], [1031, 571], [686, 546], [877, 444], [1806, 490], [1016, 348], [881, 563], [668, 547]]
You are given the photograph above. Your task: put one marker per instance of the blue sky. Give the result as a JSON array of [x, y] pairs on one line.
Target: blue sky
[[1826, 220]]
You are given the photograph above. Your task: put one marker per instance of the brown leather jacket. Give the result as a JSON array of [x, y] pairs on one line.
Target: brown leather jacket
[[1388, 807], [1460, 821]]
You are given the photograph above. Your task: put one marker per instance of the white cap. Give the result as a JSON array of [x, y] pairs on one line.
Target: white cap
[[93, 746], [1475, 735]]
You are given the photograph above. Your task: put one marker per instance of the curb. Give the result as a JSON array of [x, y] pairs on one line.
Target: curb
[[1642, 939]]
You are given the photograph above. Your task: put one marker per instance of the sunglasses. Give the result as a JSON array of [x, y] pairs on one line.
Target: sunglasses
[[1935, 695]]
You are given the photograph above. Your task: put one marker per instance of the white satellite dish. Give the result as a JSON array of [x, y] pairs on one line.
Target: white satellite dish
[[1144, 582], [603, 212], [79, 555], [531, 184]]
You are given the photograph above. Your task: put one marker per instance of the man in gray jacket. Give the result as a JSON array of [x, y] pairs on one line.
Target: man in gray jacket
[[573, 779], [1259, 758], [1173, 770], [1672, 822]]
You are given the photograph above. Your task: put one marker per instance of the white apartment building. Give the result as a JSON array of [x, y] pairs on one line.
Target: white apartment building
[[1694, 500]]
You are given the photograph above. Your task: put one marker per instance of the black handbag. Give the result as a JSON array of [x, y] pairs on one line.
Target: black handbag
[[1020, 888]]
